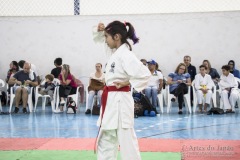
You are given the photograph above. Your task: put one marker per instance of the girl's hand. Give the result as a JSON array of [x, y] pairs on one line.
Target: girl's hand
[[121, 84], [101, 27]]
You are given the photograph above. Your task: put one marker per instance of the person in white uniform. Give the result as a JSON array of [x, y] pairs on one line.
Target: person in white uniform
[[229, 87], [116, 118], [203, 85]]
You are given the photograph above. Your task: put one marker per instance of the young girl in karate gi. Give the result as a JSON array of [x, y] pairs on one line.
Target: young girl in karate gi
[[123, 69]]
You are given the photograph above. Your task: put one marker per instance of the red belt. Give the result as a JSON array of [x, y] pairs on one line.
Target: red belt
[[111, 89], [104, 102]]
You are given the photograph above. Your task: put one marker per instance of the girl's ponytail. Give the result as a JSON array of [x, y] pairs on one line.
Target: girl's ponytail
[[131, 33]]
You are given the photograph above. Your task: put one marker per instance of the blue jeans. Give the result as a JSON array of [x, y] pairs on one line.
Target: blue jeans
[[152, 92], [91, 95]]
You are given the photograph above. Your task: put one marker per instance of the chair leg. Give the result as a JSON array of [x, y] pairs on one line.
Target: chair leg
[[35, 107], [11, 103], [160, 100], [188, 103], [1, 107], [44, 99], [168, 104], [53, 105], [214, 98]]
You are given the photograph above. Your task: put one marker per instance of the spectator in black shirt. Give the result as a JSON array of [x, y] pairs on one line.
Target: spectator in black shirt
[[192, 71], [56, 71], [190, 67]]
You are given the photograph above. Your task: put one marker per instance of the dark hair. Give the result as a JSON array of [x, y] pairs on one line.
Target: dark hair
[[203, 66], [226, 67], [99, 64], [117, 27], [16, 65], [181, 64], [58, 61], [50, 77], [21, 63]]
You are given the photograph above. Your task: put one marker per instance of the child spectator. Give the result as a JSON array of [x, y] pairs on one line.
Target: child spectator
[[48, 86]]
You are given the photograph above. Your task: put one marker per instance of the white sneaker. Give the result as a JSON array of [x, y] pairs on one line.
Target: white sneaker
[[62, 102], [57, 111]]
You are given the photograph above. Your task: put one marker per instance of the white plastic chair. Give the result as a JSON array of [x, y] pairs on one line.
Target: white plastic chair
[[186, 97], [160, 97], [214, 96], [75, 97], [44, 97], [94, 98], [2, 85], [12, 96]]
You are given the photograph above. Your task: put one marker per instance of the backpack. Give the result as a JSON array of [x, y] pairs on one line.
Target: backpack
[[215, 111], [96, 108], [71, 107], [141, 103], [138, 107]]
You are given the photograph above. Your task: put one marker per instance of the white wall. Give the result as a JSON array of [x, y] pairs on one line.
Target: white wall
[[165, 38]]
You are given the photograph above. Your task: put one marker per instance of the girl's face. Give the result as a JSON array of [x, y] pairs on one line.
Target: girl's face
[[63, 71], [98, 67], [110, 41], [205, 64]]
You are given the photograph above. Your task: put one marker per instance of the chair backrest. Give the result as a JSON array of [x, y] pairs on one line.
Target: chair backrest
[[56, 81], [2, 83], [237, 79]]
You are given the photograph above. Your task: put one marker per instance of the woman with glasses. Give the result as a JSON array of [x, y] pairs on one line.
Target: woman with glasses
[[178, 82]]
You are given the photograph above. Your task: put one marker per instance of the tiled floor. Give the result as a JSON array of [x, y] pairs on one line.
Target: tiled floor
[[45, 124]]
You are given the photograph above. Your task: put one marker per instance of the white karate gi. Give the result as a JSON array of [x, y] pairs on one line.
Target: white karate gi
[[201, 81], [117, 127], [227, 82]]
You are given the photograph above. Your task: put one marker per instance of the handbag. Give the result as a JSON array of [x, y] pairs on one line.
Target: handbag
[[95, 85]]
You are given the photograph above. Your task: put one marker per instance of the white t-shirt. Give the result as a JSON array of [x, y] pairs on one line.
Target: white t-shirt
[[35, 70], [93, 76], [154, 80]]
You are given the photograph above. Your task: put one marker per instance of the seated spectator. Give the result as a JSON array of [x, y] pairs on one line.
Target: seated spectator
[[178, 82], [229, 88], [155, 84], [96, 85], [233, 70], [212, 72], [13, 69], [48, 86], [192, 71], [32, 67], [58, 67], [203, 86], [67, 86], [23, 80]]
